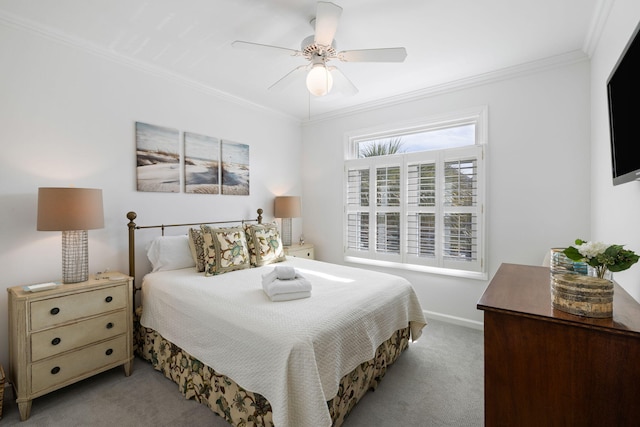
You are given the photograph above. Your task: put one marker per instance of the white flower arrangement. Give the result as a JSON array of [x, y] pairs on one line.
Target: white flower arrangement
[[591, 249], [601, 256]]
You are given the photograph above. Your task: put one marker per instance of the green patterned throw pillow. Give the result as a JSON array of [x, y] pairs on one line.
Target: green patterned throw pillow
[[225, 249], [196, 244], [265, 244]]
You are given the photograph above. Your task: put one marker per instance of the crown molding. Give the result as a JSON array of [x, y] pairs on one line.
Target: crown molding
[[596, 27], [16, 22]]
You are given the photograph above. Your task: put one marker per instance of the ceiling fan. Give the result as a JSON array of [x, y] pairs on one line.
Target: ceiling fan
[[319, 49]]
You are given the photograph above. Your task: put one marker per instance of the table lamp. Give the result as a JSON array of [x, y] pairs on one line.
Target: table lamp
[[286, 207], [72, 211]]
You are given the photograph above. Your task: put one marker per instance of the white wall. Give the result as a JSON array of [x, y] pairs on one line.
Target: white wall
[[614, 209], [537, 177], [68, 119]]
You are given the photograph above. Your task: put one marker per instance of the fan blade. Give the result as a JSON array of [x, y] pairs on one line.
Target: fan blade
[[327, 17], [264, 48], [341, 83], [391, 54], [289, 78]]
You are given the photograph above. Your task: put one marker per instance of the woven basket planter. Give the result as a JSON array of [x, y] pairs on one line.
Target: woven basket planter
[[582, 295]]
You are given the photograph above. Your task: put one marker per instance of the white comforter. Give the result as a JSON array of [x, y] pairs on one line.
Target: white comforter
[[294, 353]]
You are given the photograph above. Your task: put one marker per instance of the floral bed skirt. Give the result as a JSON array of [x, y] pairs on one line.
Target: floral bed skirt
[[241, 407]]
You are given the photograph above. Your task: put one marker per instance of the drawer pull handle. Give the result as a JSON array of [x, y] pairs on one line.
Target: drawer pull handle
[[109, 299], [109, 352], [109, 325], [55, 370], [54, 311], [55, 341]]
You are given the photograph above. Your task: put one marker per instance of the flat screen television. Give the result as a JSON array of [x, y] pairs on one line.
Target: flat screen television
[[623, 88]]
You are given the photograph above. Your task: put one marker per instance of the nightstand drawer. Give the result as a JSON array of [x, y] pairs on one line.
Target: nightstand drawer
[[300, 251], [54, 311], [58, 340], [53, 372]]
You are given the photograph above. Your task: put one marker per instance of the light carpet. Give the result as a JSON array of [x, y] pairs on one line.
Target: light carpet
[[437, 382]]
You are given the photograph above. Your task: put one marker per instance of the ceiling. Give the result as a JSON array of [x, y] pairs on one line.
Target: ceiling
[[446, 40]]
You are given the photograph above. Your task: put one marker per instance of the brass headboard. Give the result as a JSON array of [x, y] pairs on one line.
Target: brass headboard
[[131, 216]]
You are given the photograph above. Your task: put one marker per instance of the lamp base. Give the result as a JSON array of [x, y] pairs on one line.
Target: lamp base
[[75, 256], [286, 232]]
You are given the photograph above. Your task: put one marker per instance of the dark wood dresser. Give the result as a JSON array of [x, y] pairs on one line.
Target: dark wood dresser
[[545, 367]]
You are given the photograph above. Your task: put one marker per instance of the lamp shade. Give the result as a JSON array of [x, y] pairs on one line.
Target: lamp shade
[[287, 207], [69, 208]]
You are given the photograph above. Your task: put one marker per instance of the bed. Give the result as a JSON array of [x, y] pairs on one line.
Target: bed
[[256, 362]]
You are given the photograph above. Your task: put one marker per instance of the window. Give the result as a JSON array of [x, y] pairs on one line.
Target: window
[[414, 197]]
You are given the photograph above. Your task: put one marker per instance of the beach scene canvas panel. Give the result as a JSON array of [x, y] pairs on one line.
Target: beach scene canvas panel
[[235, 168], [158, 158], [201, 164]]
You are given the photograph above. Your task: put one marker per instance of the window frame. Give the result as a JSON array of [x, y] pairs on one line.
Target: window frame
[[477, 269]]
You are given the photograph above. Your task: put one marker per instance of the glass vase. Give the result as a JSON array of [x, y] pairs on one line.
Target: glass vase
[[608, 275]]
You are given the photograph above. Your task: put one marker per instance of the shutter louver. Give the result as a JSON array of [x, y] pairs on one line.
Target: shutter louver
[[460, 204], [388, 233], [357, 203], [358, 231], [421, 184], [421, 219], [358, 187], [421, 235], [459, 237], [388, 186]]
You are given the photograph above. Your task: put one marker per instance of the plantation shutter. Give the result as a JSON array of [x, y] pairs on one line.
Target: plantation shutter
[[461, 209], [421, 209], [388, 210], [358, 189]]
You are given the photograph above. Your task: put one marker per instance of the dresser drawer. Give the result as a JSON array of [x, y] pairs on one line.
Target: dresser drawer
[[63, 338], [53, 372], [54, 311]]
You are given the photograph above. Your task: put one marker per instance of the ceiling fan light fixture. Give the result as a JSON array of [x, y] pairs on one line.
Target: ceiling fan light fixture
[[319, 49], [319, 80]]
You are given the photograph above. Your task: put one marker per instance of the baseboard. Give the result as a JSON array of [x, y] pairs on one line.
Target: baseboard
[[474, 324]]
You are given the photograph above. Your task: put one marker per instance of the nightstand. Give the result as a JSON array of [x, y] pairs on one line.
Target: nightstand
[[63, 335], [300, 251]]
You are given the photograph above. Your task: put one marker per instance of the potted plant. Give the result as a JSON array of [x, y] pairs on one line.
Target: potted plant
[[601, 257]]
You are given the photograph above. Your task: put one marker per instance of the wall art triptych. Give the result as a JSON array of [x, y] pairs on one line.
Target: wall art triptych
[[211, 165]]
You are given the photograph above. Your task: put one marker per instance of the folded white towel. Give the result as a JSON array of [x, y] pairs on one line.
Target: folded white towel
[[285, 272], [281, 273], [290, 296], [276, 287]]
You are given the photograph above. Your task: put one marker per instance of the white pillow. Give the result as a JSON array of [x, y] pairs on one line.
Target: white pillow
[[170, 253]]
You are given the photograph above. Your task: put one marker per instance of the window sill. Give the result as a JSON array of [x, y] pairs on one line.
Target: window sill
[[476, 275]]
